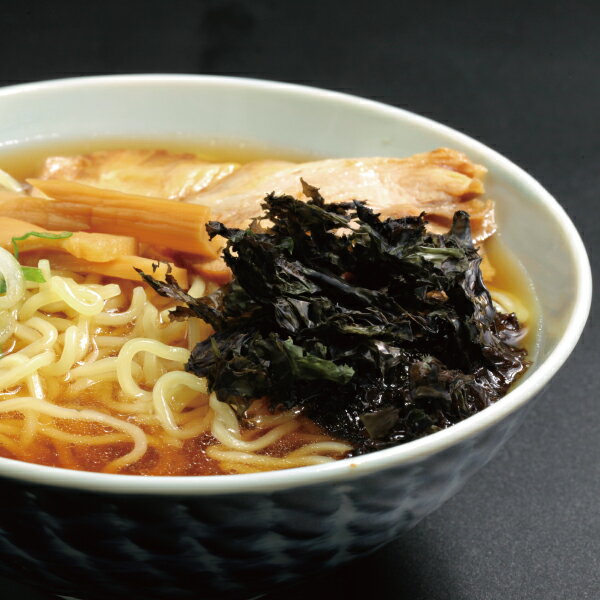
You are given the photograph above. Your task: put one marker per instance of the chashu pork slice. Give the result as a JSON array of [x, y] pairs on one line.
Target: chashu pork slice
[[155, 173], [438, 182]]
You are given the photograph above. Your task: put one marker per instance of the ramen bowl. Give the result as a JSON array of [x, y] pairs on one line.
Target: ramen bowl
[[91, 535]]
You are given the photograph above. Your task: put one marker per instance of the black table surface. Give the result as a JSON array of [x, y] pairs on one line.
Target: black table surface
[[522, 77]]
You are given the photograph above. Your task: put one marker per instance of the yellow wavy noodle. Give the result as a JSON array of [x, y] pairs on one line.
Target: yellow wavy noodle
[[92, 378], [508, 303]]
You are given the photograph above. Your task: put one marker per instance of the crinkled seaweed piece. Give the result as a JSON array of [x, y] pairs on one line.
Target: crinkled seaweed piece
[[379, 330]]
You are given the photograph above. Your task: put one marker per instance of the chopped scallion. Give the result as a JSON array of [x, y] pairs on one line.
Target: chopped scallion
[[39, 234], [30, 274]]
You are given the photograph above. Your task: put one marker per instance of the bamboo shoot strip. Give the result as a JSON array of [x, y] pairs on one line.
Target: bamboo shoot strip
[[122, 267], [175, 225], [96, 247]]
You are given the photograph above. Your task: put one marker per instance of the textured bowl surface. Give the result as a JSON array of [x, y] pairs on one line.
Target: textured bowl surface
[[99, 536]]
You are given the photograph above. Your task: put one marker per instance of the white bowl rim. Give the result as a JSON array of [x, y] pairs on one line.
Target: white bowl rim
[[351, 467]]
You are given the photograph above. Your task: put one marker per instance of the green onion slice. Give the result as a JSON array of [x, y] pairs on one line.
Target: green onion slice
[[30, 274], [40, 234]]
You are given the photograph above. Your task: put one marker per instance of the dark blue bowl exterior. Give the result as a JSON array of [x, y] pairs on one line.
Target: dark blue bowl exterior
[[97, 545]]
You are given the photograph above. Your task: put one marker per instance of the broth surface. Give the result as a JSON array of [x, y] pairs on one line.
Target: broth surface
[[165, 456]]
